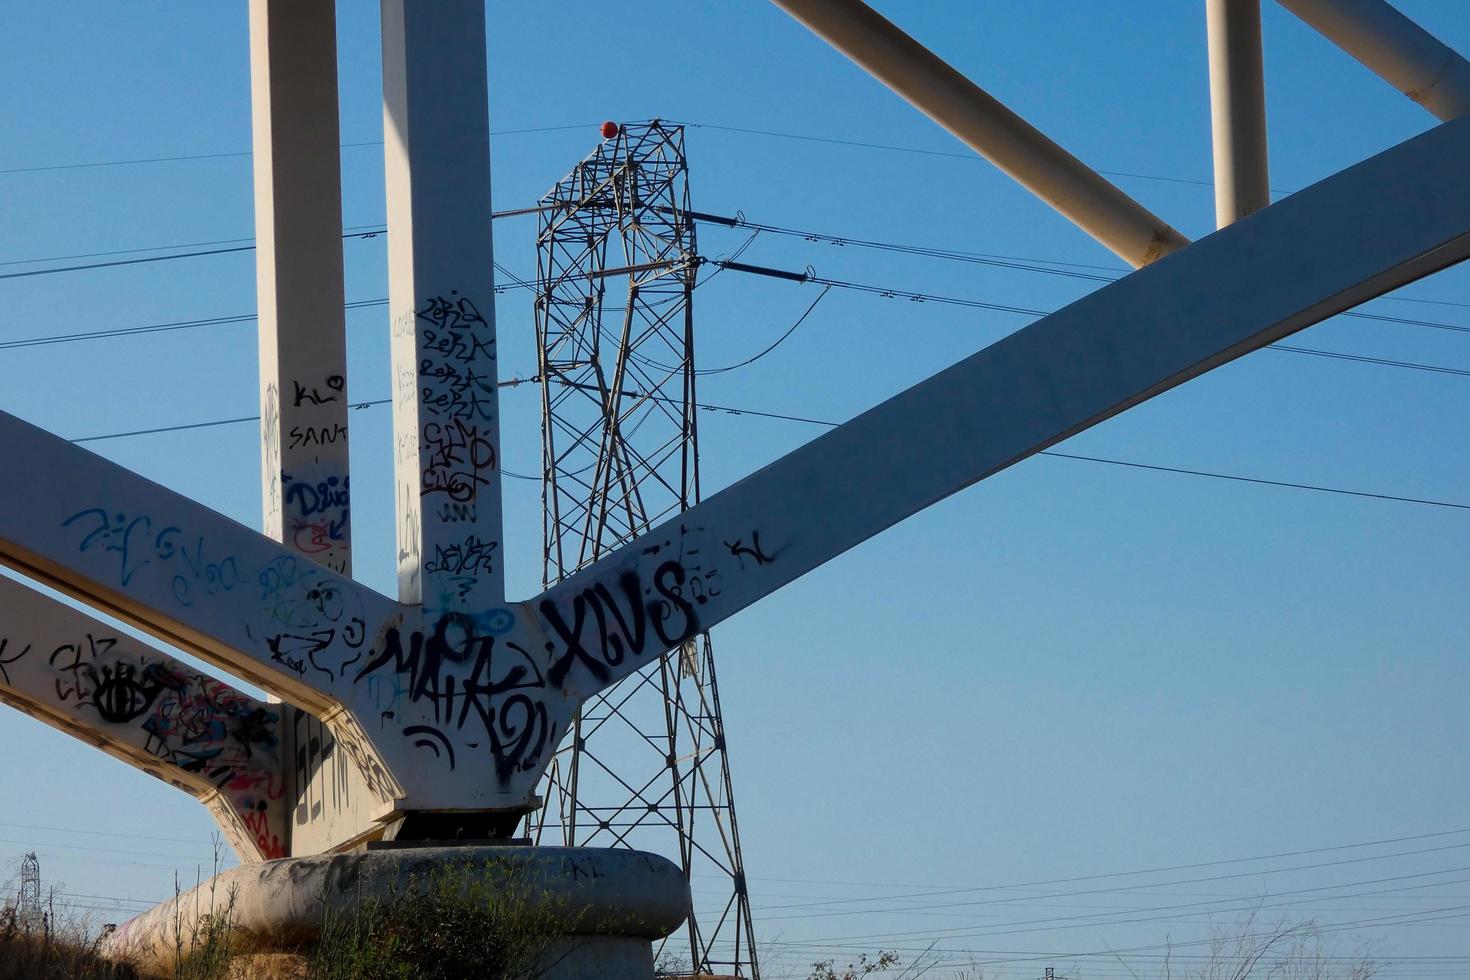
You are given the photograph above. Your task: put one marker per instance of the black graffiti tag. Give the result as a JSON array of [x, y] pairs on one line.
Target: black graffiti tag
[[493, 695], [621, 627]]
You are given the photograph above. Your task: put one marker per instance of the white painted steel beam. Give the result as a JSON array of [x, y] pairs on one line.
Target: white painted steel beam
[[193, 578], [1395, 48], [453, 712], [158, 714], [303, 366], [1237, 109], [989, 128], [446, 420], [298, 230], [1371, 228]]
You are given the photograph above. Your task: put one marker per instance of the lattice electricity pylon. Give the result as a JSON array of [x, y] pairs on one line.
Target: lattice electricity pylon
[[644, 764], [28, 902]]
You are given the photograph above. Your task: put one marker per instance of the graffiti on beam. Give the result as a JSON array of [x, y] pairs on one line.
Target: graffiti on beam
[[306, 436], [739, 549], [460, 564], [454, 341], [192, 721], [640, 612], [104, 689], [319, 627], [319, 514], [485, 689], [270, 424], [10, 656], [479, 689], [309, 394], [458, 458], [457, 406], [138, 542]]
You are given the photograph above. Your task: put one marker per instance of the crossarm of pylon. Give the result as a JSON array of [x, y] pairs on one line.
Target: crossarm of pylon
[[1373, 227], [184, 573], [136, 703]]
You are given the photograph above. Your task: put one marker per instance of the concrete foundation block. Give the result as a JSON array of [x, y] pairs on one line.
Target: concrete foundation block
[[596, 911]]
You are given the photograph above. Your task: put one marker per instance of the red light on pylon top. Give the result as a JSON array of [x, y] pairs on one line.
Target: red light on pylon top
[[609, 129]]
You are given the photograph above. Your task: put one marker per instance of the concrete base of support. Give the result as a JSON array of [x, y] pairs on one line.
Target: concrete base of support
[[593, 913]]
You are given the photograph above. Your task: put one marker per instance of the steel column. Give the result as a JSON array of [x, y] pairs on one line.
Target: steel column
[[989, 128], [303, 363], [445, 414], [1395, 48], [298, 229], [1237, 109]]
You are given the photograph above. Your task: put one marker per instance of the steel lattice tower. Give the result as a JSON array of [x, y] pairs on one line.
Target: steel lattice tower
[[644, 764], [28, 904]]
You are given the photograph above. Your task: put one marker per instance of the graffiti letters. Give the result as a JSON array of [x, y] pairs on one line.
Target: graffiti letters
[[317, 435], [457, 459], [305, 395], [137, 545], [470, 557], [192, 721], [320, 497], [741, 550], [622, 623], [12, 658], [470, 681]]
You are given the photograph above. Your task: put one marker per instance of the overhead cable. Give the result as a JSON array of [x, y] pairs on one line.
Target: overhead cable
[[725, 409]]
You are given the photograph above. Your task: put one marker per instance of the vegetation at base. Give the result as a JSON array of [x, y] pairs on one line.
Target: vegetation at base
[[1244, 950], [64, 952], [455, 921], [470, 920]]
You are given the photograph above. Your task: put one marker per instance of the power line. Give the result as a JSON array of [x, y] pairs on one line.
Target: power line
[[971, 156], [1021, 263], [999, 261], [104, 850], [102, 833], [119, 262], [519, 282], [1048, 922], [1301, 852], [213, 423], [917, 297], [943, 890], [1232, 876], [245, 153], [49, 339], [1256, 480], [729, 410]]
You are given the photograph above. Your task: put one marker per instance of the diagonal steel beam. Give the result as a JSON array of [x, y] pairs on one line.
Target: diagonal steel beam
[[158, 714], [177, 569], [1394, 48], [197, 580], [1371, 228], [989, 128]]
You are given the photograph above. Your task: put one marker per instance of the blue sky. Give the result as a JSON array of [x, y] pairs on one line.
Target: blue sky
[[1070, 669]]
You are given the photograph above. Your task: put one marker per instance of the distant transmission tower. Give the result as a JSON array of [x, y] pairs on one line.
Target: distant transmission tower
[[28, 904], [644, 763]]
